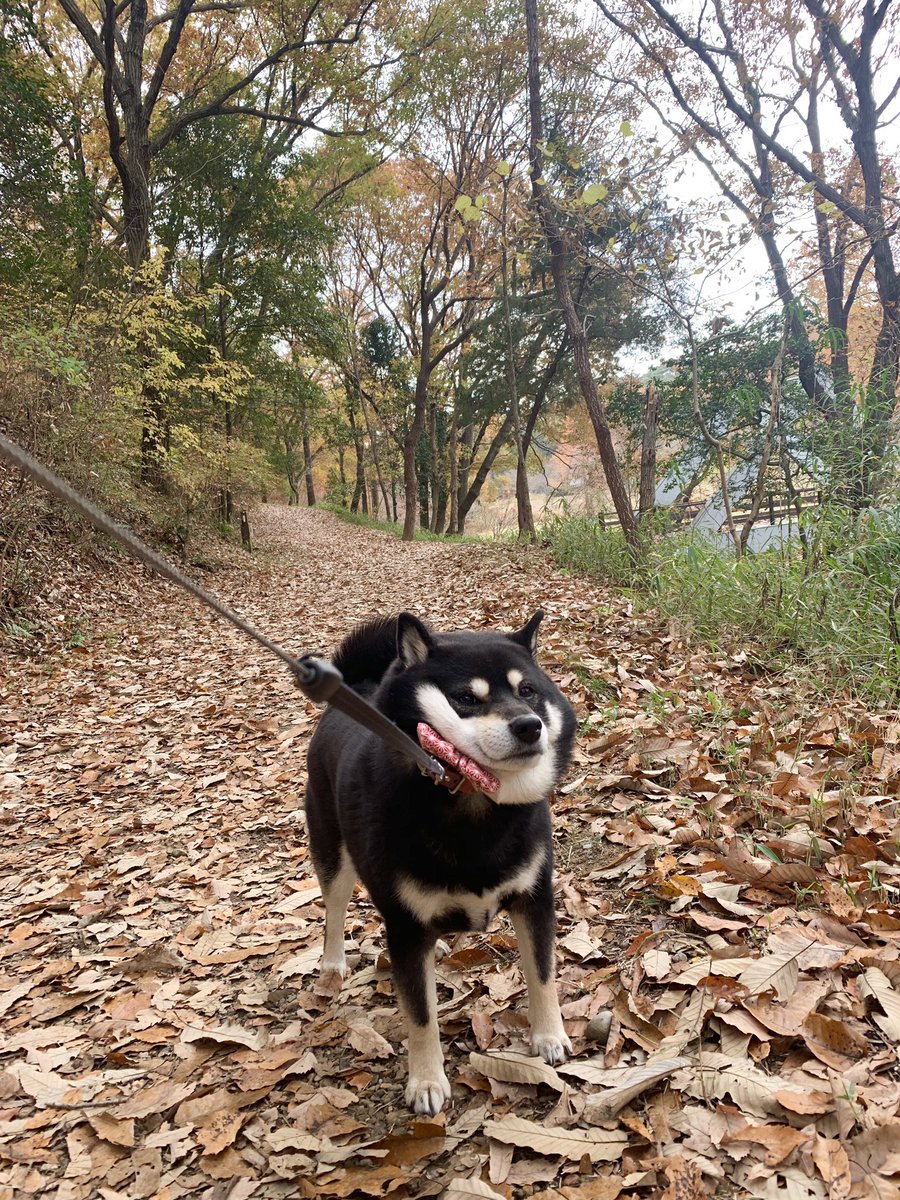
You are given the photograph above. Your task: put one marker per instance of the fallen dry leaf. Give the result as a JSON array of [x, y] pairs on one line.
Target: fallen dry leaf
[[780, 1141], [599, 1145], [515, 1068]]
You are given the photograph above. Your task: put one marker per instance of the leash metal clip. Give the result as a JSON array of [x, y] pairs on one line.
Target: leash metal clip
[[435, 771]]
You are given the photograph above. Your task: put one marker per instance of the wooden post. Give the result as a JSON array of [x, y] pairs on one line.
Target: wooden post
[[245, 531]]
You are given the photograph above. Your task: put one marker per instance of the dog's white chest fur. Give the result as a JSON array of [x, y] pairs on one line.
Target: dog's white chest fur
[[429, 904]]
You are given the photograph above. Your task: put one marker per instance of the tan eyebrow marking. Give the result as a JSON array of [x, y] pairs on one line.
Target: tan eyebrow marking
[[515, 678], [481, 688]]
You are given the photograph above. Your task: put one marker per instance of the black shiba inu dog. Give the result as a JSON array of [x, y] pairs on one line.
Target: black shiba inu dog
[[434, 861]]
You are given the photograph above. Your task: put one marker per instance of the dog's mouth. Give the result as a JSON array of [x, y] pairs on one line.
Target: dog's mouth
[[467, 768], [521, 756]]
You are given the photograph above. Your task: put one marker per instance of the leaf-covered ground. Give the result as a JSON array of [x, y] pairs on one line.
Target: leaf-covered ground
[[728, 898]]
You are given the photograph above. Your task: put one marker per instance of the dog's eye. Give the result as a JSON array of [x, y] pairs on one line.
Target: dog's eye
[[526, 691], [467, 699]]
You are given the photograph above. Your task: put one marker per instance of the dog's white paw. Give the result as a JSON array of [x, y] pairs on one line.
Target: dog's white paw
[[553, 1048], [428, 1096], [441, 949], [331, 979]]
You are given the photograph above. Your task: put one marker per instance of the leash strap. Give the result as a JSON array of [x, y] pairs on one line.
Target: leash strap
[[320, 680]]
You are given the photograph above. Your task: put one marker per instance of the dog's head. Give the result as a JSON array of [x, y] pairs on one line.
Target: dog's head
[[486, 694]]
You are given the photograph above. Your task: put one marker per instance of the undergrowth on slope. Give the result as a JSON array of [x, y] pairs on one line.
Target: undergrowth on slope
[[830, 604]]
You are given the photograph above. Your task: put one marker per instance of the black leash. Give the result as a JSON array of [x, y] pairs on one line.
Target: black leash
[[320, 680]]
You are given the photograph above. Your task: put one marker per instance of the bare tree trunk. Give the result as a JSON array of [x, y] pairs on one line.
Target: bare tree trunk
[[373, 443], [541, 394], [434, 482], [440, 521], [473, 491], [713, 441], [684, 496], [424, 504], [467, 443], [793, 494], [307, 467], [647, 491], [774, 407], [290, 470], [559, 267], [359, 489], [227, 498], [524, 514], [415, 431], [453, 454]]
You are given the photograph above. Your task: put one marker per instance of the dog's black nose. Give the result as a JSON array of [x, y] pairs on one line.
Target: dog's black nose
[[527, 729]]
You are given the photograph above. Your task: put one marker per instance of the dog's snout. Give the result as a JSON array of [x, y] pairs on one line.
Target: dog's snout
[[527, 729]]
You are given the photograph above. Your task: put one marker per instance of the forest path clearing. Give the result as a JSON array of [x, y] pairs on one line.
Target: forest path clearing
[[162, 928]]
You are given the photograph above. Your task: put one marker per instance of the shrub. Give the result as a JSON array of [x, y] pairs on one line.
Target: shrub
[[832, 604]]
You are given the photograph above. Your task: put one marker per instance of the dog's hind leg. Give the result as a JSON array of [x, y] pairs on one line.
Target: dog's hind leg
[[411, 948], [336, 893], [534, 921], [337, 877]]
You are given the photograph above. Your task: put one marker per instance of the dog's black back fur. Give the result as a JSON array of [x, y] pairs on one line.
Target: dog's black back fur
[[365, 654]]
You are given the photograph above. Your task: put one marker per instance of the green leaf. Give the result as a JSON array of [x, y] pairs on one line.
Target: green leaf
[[463, 202], [503, 169], [626, 130], [827, 206], [594, 193], [469, 213]]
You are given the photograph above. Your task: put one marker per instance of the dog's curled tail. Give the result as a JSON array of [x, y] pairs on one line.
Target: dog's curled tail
[[366, 653]]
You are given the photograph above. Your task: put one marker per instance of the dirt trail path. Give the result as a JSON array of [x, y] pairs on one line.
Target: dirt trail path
[[159, 1032]]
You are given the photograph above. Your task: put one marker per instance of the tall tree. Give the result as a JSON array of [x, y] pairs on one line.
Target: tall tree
[[430, 270], [44, 207], [559, 264], [281, 67], [750, 91], [236, 213]]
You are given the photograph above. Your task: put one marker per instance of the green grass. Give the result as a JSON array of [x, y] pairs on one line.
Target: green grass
[[833, 610], [394, 527]]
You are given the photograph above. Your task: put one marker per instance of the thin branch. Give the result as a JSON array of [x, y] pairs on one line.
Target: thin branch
[[747, 118], [218, 105], [229, 6]]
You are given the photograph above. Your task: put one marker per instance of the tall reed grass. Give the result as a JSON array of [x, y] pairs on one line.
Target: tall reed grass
[[831, 606]]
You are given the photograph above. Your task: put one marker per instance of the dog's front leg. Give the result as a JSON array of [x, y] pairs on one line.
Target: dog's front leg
[[411, 948], [534, 921]]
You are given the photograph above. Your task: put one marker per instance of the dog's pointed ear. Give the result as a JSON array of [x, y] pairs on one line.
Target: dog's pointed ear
[[414, 640], [527, 635]]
